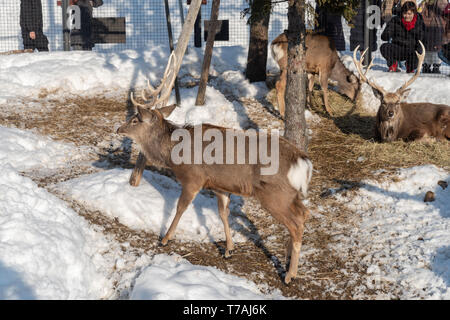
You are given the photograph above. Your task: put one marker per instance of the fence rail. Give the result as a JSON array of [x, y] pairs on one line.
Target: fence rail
[[145, 23]]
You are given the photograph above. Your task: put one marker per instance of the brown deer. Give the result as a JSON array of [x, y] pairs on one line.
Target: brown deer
[[278, 192], [406, 121], [321, 59]]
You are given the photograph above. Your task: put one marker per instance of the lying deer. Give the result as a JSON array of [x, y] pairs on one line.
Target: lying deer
[[279, 193], [321, 59], [407, 121]]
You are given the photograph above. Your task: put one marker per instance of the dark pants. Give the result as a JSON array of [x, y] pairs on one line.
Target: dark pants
[[40, 43], [395, 52]]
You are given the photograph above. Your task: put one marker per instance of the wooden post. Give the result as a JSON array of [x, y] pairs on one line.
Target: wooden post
[[212, 30], [169, 32], [183, 41]]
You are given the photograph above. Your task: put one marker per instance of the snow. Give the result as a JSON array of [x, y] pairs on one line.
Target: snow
[[173, 278], [26, 150], [153, 206], [408, 239]]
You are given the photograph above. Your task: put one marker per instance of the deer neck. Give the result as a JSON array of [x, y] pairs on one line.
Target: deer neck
[[157, 145]]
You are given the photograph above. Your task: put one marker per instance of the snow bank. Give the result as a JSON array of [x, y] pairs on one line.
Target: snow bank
[[152, 206], [173, 278], [25, 150], [46, 250], [406, 241]]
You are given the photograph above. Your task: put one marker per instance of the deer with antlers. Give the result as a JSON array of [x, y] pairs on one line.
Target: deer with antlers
[[396, 119], [279, 192]]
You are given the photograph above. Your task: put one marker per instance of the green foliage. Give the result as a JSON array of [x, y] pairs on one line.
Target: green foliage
[[258, 9], [347, 8]]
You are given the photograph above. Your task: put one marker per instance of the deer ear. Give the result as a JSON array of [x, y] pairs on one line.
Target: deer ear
[[404, 94], [352, 78], [167, 111], [143, 114]]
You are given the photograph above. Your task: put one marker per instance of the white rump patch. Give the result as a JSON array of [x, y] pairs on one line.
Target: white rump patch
[[277, 52], [299, 175]]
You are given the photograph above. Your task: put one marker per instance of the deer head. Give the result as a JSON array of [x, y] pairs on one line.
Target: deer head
[[390, 113]]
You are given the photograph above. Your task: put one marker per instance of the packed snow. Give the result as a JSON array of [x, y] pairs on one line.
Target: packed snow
[[173, 278], [409, 239]]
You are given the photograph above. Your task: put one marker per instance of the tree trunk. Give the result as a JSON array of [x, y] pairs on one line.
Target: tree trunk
[[295, 122], [259, 40]]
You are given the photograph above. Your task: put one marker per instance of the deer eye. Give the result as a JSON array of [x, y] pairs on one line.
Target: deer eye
[[134, 121]]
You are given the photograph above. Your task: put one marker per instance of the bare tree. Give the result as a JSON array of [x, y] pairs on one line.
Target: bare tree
[[259, 40], [296, 86]]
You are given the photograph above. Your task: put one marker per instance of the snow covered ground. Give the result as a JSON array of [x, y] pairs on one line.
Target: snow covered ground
[[409, 239], [48, 251]]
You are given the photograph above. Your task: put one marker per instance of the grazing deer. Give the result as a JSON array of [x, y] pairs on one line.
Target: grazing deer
[[279, 192], [321, 59], [407, 121]]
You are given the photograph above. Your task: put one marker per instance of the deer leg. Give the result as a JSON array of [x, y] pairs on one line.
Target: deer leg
[[138, 170], [223, 200], [310, 88], [281, 90], [187, 195], [323, 79], [300, 214]]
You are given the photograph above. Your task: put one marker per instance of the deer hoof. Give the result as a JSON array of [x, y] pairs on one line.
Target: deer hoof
[[134, 182], [228, 254], [164, 242], [287, 279]]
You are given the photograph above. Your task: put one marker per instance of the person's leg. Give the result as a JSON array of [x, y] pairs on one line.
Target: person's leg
[[389, 52]]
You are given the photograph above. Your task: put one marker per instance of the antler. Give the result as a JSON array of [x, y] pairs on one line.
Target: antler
[[363, 76], [421, 57], [169, 73]]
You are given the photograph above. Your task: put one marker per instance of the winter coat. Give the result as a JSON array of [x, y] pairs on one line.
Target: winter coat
[[330, 25], [447, 24], [83, 36], [392, 7], [396, 32], [357, 33], [433, 18], [31, 20]]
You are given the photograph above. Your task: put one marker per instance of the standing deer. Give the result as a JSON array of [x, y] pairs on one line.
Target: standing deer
[[407, 121], [321, 59], [279, 193]]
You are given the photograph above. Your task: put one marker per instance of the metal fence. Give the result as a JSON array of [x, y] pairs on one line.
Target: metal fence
[[146, 24]]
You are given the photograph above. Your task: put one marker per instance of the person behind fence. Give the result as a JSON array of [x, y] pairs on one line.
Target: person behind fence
[[392, 7], [403, 33], [32, 26], [81, 39], [444, 54], [357, 32], [433, 17], [330, 25]]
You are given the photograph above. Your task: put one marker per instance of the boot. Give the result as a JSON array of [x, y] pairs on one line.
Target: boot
[[436, 68], [426, 68], [394, 67]]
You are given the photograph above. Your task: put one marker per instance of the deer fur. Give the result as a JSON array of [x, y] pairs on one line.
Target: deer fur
[[411, 121], [398, 120], [321, 59], [278, 193]]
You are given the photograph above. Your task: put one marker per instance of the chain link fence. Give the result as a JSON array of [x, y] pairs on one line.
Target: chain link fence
[[145, 24]]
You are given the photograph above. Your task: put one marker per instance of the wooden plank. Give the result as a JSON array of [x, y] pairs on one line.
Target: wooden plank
[[200, 101]]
